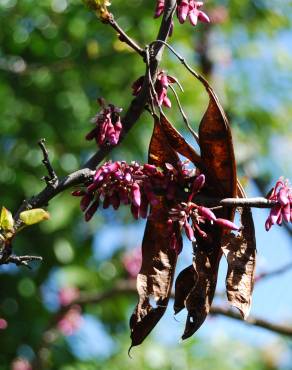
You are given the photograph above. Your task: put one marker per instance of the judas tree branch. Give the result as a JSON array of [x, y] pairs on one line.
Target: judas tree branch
[[129, 287], [131, 117], [123, 36], [257, 202], [137, 105]]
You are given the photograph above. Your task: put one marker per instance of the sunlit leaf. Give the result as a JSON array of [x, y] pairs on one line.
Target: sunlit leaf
[[34, 216], [6, 220]]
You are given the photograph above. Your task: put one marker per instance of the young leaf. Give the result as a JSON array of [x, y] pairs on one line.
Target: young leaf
[[34, 216], [158, 259], [240, 253], [6, 220]]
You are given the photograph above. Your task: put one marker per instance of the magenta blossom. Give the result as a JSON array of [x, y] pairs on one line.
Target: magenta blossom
[[117, 183], [185, 9], [67, 295], [162, 82], [159, 8], [132, 262], [191, 9], [21, 364], [108, 125], [282, 210], [189, 216], [71, 321]]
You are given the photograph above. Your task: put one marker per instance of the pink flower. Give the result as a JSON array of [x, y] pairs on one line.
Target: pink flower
[[185, 9], [117, 183], [71, 321], [67, 295], [226, 223], [191, 9], [21, 364], [108, 125], [162, 82], [3, 324], [132, 262], [159, 8], [282, 194]]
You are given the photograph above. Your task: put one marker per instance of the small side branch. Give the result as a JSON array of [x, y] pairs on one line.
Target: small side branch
[[124, 37], [20, 260], [52, 179], [256, 202], [255, 321]]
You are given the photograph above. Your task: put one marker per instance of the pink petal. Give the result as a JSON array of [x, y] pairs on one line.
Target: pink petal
[[135, 211], [136, 195], [189, 232], [282, 197], [206, 213], [193, 17], [226, 223], [268, 224], [159, 8], [166, 102], [144, 207], [91, 210], [78, 193], [182, 12], [85, 201], [275, 213], [203, 17], [286, 212]]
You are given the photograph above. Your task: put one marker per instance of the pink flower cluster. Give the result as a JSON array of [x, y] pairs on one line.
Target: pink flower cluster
[[185, 9], [132, 184], [185, 213], [282, 211], [132, 262], [108, 125], [21, 364], [71, 321], [3, 324], [161, 85], [67, 295]]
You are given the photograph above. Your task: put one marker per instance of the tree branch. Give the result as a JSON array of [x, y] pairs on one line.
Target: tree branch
[[52, 178], [123, 36]]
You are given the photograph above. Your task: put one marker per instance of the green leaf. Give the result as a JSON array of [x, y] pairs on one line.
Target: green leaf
[[34, 216], [6, 220]]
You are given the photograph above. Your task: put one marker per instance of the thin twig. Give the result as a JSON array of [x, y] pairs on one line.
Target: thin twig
[[252, 320], [257, 202], [20, 260], [184, 62], [137, 105], [52, 179], [269, 274], [123, 36], [185, 119]]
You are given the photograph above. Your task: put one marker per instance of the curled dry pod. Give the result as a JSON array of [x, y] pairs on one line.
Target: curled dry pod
[[219, 166], [185, 281], [158, 259], [240, 252]]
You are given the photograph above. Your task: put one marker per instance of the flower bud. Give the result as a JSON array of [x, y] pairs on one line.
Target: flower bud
[[226, 223], [206, 213]]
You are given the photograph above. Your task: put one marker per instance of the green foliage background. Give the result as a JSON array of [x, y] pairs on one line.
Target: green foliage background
[[56, 58]]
